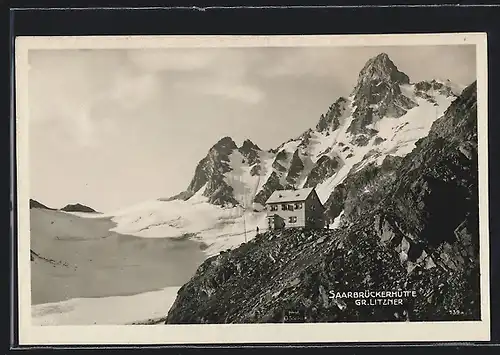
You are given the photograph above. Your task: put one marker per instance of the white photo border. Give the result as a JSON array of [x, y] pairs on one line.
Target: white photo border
[[242, 333]]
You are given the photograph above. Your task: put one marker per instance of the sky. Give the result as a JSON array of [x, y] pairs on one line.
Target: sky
[[112, 128]]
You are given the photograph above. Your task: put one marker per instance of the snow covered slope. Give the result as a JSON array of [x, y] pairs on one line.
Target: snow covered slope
[[218, 228], [395, 136]]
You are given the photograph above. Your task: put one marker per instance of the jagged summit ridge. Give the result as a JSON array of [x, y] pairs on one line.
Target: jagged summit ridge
[[385, 114], [332, 119], [378, 93], [225, 145], [250, 151], [249, 145], [209, 175], [380, 69]]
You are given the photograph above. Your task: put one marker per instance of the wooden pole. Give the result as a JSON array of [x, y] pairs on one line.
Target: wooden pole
[[245, 225]]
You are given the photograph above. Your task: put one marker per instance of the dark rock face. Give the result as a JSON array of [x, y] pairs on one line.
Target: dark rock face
[[412, 226], [435, 194], [378, 93], [255, 170], [77, 207], [279, 160], [215, 163], [382, 69], [368, 186], [360, 140], [272, 184], [282, 155], [305, 138], [219, 192], [362, 189], [363, 116], [296, 167], [330, 120], [424, 89], [250, 151], [210, 171], [324, 168]]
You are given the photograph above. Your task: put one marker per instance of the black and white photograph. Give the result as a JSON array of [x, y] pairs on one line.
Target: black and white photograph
[[331, 181]]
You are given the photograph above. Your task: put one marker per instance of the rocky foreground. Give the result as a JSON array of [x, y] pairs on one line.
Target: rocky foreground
[[409, 224]]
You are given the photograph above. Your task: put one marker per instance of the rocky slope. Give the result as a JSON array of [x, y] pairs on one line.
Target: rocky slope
[[409, 223]]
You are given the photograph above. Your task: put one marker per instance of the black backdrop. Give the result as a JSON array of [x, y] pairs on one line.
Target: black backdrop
[[82, 19]]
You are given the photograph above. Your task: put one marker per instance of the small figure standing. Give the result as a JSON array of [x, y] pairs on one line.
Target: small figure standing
[[257, 229]]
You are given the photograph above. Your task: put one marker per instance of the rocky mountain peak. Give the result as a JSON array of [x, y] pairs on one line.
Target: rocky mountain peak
[[250, 151], [382, 91], [248, 145], [331, 120], [210, 173], [470, 91], [225, 145], [381, 68], [460, 119], [427, 89], [378, 93]]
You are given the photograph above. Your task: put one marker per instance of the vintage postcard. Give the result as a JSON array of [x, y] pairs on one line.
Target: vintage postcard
[[252, 189]]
